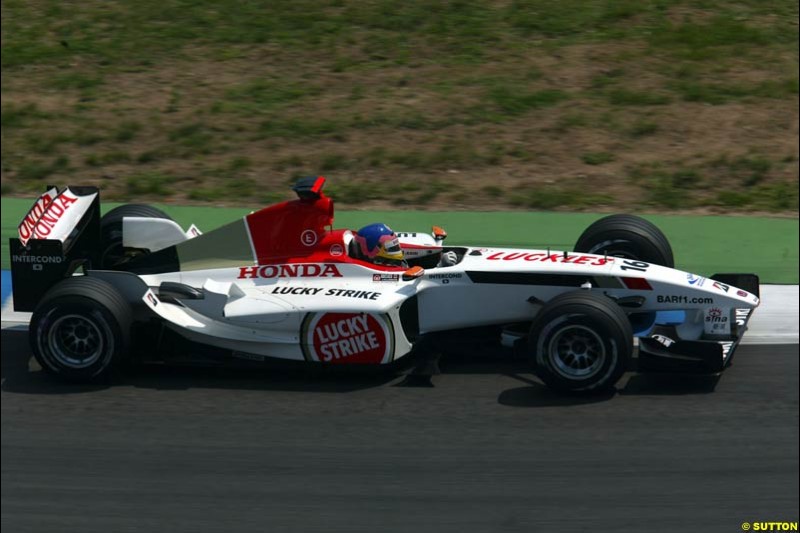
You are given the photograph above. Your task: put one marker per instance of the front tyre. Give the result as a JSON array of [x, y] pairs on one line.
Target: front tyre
[[627, 236], [81, 329], [581, 342]]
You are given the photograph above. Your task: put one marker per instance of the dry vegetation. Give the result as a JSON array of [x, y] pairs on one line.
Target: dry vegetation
[[672, 105]]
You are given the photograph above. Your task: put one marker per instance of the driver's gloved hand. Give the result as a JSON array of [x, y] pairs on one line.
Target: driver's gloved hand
[[448, 259]]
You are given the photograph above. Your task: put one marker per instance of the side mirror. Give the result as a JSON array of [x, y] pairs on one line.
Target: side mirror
[[413, 273], [439, 234]]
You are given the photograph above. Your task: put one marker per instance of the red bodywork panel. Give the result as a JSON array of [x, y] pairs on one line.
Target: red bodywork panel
[[299, 231], [290, 229]]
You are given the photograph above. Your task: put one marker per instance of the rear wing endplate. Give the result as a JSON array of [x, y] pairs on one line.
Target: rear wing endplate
[[59, 234]]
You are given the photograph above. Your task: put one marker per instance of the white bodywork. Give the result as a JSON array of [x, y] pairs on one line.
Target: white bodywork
[[417, 245], [268, 310], [154, 234]]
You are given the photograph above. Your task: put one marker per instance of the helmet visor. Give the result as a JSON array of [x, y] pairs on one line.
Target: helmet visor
[[389, 251]]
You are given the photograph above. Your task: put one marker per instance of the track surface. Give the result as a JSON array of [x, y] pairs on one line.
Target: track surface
[[486, 448]]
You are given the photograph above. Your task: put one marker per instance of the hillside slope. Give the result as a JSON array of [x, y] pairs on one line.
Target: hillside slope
[[674, 105]]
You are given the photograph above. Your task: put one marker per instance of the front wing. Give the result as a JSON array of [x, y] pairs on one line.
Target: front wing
[[664, 351]]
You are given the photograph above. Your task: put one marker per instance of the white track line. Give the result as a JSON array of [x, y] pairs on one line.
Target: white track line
[[776, 319]]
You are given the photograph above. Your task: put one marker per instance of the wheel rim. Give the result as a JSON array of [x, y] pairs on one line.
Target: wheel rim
[[621, 255], [616, 248], [75, 341], [576, 352], [111, 256], [115, 255]]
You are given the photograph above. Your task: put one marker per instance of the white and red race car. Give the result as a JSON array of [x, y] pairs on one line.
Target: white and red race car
[[282, 283]]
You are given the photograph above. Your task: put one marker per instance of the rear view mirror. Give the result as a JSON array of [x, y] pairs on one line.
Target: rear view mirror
[[413, 273]]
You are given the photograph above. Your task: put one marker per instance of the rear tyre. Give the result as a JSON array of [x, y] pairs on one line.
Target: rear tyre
[[113, 255], [627, 236], [81, 329], [581, 342]]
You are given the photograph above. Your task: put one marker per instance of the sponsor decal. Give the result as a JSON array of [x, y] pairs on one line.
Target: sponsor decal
[[36, 259], [347, 338], [26, 227], [663, 339], [193, 232], [697, 281], [741, 316], [308, 237], [313, 291], [451, 275], [386, 277], [43, 217], [550, 258], [290, 271], [717, 321], [150, 299], [721, 286], [741, 293], [726, 349], [445, 278], [681, 299], [298, 291], [344, 293], [336, 250]]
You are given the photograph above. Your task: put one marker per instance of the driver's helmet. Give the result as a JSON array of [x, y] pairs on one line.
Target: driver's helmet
[[378, 244]]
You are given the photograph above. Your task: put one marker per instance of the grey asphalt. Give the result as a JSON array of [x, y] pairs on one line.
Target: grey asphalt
[[482, 447]]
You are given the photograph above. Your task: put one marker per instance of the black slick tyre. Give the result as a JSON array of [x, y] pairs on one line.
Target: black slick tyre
[[581, 342], [113, 255], [80, 330], [627, 236]]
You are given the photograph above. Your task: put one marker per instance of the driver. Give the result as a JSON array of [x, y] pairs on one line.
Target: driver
[[378, 244]]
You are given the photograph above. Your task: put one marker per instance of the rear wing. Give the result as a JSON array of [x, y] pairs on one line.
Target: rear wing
[[58, 235]]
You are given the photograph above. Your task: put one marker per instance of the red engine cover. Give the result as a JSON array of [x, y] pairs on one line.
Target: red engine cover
[[290, 229]]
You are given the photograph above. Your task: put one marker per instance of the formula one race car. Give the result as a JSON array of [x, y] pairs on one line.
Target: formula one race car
[[282, 283]]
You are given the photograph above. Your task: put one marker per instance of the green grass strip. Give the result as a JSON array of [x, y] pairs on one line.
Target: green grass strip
[[702, 244]]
